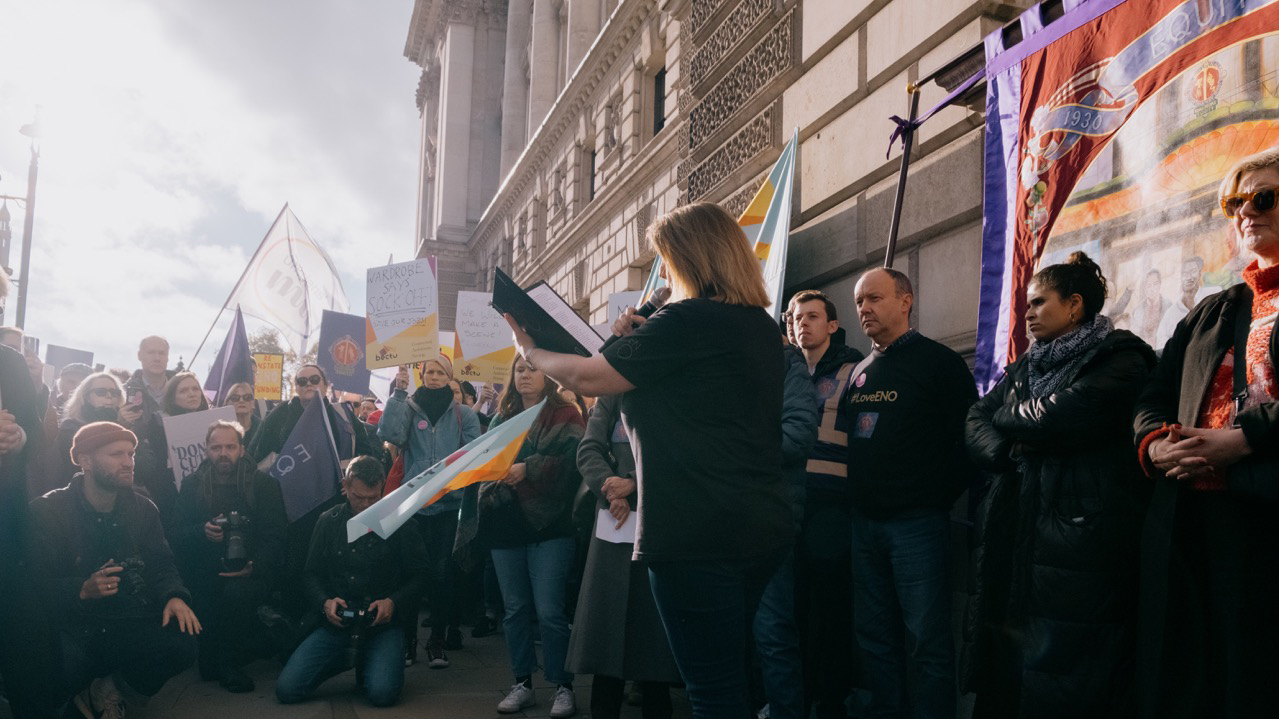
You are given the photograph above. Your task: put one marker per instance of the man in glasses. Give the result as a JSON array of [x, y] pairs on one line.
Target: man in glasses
[[230, 543]]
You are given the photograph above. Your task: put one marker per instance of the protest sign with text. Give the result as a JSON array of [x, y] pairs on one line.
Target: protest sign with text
[[402, 320], [185, 435], [268, 376], [483, 339]]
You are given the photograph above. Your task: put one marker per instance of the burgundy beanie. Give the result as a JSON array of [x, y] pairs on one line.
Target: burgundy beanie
[[96, 435]]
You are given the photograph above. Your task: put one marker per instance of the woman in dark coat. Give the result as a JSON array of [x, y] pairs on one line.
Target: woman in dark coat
[[1210, 441], [617, 633], [1052, 619]]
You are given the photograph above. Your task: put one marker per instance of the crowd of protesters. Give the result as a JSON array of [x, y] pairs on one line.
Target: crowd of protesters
[[793, 502]]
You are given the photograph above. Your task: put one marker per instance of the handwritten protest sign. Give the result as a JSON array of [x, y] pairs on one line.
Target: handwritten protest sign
[[402, 319], [268, 377], [185, 435], [484, 340]]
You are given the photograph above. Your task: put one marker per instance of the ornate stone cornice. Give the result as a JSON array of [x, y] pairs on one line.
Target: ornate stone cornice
[[430, 17]]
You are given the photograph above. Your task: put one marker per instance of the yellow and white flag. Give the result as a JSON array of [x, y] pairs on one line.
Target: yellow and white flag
[[486, 459], [766, 223]]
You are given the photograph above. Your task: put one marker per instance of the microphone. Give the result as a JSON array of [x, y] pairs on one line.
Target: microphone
[[646, 310]]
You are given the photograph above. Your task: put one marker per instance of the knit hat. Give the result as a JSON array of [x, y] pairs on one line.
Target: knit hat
[[76, 368], [96, 435], [443, 361]]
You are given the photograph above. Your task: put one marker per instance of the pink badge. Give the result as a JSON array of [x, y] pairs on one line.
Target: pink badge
[[421, 424], [861, 379]]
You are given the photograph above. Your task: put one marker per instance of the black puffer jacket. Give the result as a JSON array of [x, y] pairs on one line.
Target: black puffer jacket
[[1051, 617]]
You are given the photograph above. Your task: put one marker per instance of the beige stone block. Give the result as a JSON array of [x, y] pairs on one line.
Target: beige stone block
[[950, 283], [824, 19], [903, 25], [822, 87], [932, 93], [850, 146]]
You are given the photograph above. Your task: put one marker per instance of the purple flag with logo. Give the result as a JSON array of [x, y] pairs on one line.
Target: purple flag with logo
[[307, 466], [341, 352], [233, 364]]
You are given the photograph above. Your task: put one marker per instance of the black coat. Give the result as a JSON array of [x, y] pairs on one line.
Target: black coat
[[1176, 393], [1051, 619], [259, 500], [279, 423]]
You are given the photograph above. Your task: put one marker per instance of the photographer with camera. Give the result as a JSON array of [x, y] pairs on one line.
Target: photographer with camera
[[229, 538], [108, 577], [354, 590]]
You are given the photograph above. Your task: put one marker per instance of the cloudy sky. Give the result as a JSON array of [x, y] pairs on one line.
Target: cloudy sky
[[173, 131]]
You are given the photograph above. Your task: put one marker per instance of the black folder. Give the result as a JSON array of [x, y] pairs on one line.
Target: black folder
[[552, 322]]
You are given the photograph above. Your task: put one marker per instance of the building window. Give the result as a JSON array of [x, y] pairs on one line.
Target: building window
[[590, 178], [659, 101]]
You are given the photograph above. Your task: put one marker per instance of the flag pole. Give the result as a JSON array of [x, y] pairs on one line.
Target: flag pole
[[908, 140], [236, 287]]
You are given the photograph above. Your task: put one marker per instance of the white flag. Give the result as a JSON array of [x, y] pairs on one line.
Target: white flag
[[289, 283]]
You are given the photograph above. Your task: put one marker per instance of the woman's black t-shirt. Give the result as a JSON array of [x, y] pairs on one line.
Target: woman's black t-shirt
[[705, 423]]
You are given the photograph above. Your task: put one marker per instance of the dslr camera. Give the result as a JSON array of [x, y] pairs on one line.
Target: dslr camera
[[235, 545]]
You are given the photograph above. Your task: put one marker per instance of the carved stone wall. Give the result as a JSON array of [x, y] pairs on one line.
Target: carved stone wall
[[755, 72], [703, 10], [759, 134], [737, 202], [735, 28]]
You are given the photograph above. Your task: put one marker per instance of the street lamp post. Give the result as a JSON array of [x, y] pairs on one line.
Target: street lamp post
[[32, 131]]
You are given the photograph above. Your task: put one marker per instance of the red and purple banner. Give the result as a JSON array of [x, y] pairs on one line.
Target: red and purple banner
[[1108, 130]]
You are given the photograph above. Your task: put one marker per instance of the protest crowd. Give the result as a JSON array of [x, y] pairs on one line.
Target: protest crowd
[[792, 504]]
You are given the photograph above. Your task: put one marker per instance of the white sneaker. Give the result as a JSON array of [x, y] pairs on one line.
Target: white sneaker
[[520, 697], [106, 698], [564, 704]]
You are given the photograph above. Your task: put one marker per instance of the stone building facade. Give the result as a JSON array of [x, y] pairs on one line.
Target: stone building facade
[[555, 131]]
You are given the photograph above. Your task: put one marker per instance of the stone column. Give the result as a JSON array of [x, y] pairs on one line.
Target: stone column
[[515, 113], [543, 62], [583, 26], [457, 60]]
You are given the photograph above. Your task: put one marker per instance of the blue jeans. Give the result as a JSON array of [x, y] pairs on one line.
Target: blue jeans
[[534, 579], [901, 582], [323, 655], [708, 607], [777, 645]]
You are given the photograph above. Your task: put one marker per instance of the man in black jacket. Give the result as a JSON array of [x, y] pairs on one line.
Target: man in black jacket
[[907, 465], [823, 559], [109, 579], [354, 590], [230, 541]]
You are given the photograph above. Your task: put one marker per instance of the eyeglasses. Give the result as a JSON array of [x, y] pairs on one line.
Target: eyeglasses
[[105, 392], [314, 379], [239, 397], [1262, 201]]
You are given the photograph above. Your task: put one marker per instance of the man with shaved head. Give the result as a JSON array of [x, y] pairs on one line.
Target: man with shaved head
[[906, 408]]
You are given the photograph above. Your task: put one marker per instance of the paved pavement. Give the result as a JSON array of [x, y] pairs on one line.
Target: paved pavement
[[474, 683]]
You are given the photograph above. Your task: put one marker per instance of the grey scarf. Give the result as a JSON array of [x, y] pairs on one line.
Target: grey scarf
[[1052, 362]]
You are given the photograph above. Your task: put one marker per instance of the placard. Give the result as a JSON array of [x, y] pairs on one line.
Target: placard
[[402, 318], [619, 301], [268, 375], [484, 342], [58, 357], [341, 354], [185, 435]]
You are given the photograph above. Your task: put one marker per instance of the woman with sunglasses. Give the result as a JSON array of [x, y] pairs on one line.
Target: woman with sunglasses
[[100, 398], [309, 384], [240, 396], [1207, 428]]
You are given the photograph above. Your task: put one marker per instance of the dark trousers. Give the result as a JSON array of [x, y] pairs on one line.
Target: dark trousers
[[227, 608], [1222, 627], [29, 662], [707, 608], [823, 602], [607, 694], [140, 651], [444, 578]]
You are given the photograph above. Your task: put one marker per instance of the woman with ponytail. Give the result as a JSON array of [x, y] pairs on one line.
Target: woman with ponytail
[[1050, 628]]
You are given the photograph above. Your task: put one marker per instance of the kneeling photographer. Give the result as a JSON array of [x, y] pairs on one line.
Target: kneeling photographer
[[354, 590], [229, 537]]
